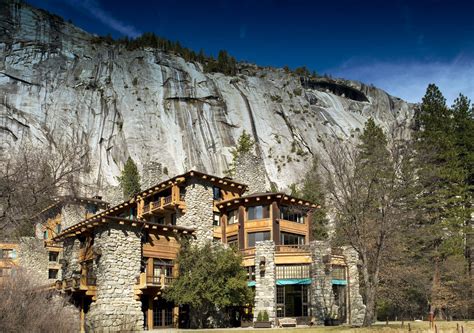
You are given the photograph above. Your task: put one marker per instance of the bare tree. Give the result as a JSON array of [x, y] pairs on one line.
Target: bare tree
[[33, 177], [26, 308], [368, 188]]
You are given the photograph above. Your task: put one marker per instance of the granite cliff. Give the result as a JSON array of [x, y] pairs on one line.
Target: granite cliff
[[58, 83]]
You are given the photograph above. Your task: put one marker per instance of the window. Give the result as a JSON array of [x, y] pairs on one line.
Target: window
[[291, 214], [160, 220], [232, 217], [216, 193], [292, 271], [250, 273], [91, 208], [53, 256], [45, 234], [173, 219], [58, 229], [233, 242], [258, 212], [291, 239], [8, 254], [162, 266], [254, 237], [338, 272], [216, 221], [52, 274], [280, 301]]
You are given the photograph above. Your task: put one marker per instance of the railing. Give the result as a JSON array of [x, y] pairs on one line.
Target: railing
[[153, 280], [248, 252], [168, 280], [167, 200], [292, 248]]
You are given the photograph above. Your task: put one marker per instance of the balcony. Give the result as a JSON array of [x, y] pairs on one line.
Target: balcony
[[158, 281], [164, 203], [292, 248]]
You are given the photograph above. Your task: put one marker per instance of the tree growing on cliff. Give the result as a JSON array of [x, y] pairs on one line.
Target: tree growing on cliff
[[369, 187], [130, 179], [211, 278]]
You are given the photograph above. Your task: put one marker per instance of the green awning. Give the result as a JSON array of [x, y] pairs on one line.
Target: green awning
[[286, 282], [251, 283], [339, 282]]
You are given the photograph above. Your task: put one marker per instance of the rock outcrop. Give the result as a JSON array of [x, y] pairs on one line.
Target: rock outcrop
[[58, 83]]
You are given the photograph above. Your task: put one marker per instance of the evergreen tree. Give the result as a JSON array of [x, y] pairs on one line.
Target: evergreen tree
[[211, 278], [130, 179]]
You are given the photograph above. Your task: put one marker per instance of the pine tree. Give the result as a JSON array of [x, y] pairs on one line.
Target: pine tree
[[130, 179]]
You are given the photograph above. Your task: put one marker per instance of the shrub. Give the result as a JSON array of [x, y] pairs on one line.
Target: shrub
[[265, 316]]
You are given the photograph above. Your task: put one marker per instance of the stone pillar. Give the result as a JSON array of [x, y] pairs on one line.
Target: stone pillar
[[71, 267], [356, 305], [265, 282], [72, 214], [199, 210], [117, 269], [152, 174], [250, 170], [322, 298]]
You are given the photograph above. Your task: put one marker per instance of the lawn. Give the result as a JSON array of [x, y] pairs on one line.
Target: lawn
[[393, 327]]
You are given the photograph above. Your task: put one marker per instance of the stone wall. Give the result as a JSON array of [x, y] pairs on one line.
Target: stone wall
[[71, 267], [113, 195], [265, 283], [250, 170], [33, 258], [117, 269], [72, 214], [356, 304], [322, 298], [199, 210]]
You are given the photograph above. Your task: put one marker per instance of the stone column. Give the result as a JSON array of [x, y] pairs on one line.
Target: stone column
[[71, 267], [265, 282], [33, 258], [322, 298], [199, 210], [356, 305], [250, 170], [117, 269]]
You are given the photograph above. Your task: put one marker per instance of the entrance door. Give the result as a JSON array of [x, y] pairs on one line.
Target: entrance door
[[162, 313]]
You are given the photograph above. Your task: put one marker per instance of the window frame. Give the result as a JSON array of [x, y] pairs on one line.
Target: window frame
[[259, 240]]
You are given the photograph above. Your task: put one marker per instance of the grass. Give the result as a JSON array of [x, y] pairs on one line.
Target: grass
[[393, 327]]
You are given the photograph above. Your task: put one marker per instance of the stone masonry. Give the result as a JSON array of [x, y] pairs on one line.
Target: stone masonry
[[250, 170], [72, 214], [356, 304], [265, 282], [199, 210], [322, 298], [33, 258], [117, 268], [71, 266]]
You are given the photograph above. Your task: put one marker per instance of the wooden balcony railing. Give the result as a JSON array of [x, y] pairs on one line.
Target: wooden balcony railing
[[292, 248], [144, 281], [248, 252]]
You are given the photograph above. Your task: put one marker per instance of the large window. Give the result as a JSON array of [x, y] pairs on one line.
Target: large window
[[291, 214], [292, 271], [254, 237], [292, 301], [338, 272], [258, 212], [250, 273], [291, 239], [232, 217]]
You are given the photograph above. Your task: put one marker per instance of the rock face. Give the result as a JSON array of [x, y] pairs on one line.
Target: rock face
[[57, 83]]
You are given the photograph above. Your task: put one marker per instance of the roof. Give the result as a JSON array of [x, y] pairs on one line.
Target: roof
[[277, 196], [73, 199], [239, 188]]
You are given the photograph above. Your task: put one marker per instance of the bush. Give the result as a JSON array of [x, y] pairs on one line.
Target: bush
[[265, 316], [25, 307]]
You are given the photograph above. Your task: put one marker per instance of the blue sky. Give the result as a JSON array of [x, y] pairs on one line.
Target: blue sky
[[400, 46]]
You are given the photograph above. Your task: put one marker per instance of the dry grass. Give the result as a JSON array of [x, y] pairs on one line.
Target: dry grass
[[393, 327]]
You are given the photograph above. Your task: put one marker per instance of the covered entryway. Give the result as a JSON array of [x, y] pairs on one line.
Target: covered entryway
[[292, 300]]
